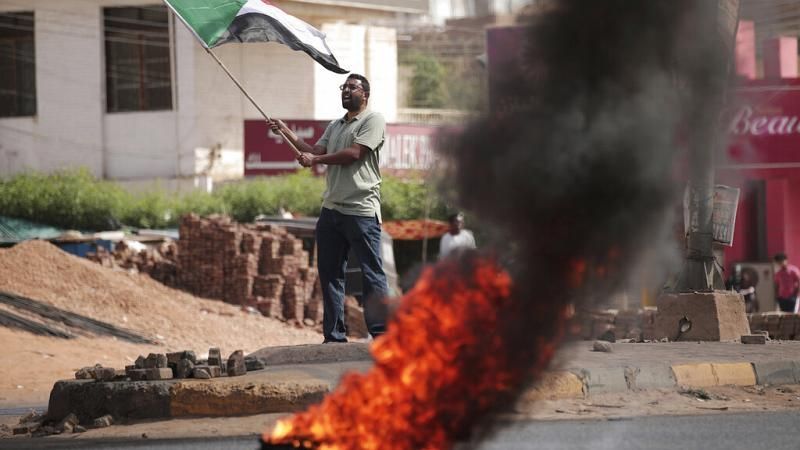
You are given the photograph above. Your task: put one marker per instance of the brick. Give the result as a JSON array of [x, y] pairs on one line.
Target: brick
[[213, 371], [105, 373], [236, 366], [155, 361], [184, 368], [201, 373], [159, 373], [214, 357], [137, 374], [786, 326], [754, 339]]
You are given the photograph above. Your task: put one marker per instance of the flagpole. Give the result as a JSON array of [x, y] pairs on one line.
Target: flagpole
[[241, 88]]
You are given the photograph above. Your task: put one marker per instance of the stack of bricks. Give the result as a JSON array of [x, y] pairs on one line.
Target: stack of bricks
[[783, 326], [260, 266]]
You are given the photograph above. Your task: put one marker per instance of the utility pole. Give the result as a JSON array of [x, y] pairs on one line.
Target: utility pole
[[706, 84]]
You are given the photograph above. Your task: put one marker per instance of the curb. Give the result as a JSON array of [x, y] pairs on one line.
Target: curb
[[293, 388]]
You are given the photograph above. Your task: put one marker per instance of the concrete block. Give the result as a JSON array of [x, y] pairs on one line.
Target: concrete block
[[214, 357], [213, 371], [137, 374], [554, 385], [777, 372], [694, 375], [714, 316], [605, 380], [155, 361], [105, 373], [236, 366], [758, 322], [737, 374], [650, 377], [786, 326], [184, 368], [159, 373], [754, 339]]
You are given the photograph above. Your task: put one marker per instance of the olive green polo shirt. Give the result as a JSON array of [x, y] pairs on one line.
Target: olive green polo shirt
[[355, 189]]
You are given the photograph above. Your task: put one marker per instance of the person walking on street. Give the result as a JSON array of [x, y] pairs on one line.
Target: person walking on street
[[787, 284], [350, 217]]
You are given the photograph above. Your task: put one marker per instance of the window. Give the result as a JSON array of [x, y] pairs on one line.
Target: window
[[17, 65], [138, 69]]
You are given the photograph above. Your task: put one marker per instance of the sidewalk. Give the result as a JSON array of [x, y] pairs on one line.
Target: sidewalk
[[296, 377]]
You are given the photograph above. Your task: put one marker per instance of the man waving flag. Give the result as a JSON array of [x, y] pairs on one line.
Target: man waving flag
[[217, 22]]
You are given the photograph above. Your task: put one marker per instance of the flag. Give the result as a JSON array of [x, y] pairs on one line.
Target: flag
[[217, 22]]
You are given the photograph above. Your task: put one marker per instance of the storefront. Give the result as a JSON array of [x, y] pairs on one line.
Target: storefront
[[763, 160]]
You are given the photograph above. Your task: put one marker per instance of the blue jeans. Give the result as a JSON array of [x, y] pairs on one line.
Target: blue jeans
[[336, 234]]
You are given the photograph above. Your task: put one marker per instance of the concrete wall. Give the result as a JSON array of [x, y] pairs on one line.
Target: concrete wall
[[72, 128]]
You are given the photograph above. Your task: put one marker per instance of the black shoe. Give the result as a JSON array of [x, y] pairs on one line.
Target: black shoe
[[334, 341]]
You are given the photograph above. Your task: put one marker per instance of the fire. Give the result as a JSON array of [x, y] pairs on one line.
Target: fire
[[443, 364]]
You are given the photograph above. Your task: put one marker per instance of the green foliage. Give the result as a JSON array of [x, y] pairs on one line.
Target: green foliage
[[77, 200], [403, 199], [428, 83], [68, 199], [299, 193]]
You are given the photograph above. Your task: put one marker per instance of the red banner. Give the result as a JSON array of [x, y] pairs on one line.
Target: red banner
[[408, 148]]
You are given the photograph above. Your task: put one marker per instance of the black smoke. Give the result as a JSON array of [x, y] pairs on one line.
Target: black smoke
[[575, 166]]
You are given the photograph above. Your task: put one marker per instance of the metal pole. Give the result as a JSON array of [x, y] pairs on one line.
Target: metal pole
[[246, 94], [709, 88]]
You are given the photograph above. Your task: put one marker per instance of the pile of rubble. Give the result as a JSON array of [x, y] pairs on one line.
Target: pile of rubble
[[184, 364], [160, 263], [637, 325], [258, 266], [783, 326]]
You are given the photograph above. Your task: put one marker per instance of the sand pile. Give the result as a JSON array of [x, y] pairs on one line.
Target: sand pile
[[178, 320]]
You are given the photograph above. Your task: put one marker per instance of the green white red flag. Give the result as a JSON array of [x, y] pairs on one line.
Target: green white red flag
[[217, 22]]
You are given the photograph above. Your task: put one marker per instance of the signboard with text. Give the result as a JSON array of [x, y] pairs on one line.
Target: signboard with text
[[764, 126], [408, 148]]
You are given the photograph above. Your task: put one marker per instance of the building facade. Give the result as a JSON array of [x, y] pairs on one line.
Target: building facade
[[123, 88]]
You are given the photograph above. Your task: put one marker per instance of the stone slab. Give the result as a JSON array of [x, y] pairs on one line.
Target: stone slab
[[650, 377], [598, 381], [777, 372]]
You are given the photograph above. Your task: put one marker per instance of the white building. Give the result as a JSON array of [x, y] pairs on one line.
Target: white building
[[122, 88], [441, 10]]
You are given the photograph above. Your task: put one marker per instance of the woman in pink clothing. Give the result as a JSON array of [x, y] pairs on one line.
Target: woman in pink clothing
[[787, 284]]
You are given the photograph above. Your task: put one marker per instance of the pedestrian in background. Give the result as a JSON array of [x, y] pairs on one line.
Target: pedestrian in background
[[787, 283], [457, 237]]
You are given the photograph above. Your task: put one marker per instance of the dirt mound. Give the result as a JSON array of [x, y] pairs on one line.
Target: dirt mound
[[178, 320]]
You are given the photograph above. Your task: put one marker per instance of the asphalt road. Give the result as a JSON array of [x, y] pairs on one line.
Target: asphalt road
[[774, 431]]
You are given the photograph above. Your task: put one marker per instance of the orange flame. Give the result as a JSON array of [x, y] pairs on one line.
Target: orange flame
[[442, 364]]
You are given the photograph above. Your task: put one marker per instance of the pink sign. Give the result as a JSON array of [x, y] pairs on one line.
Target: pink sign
[[764, 126]]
